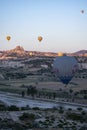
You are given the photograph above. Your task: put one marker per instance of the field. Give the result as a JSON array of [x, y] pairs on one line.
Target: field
[[38, 73], [76, 83], [34, 82]]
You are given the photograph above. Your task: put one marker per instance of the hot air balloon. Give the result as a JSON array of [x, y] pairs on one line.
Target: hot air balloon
[[65, 68], [8, 38], [82, 11], [60, 54], [40, 38], [30, 53]]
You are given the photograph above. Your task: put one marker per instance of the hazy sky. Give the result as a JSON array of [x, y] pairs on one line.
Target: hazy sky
[[60, 22]]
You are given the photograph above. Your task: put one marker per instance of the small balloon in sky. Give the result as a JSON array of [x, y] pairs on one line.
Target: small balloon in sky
[[40, 38], [82, 11], [8, 38]]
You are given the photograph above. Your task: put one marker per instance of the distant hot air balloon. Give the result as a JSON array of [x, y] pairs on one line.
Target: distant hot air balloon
[[40, 38], [30, 53], [8, 38], [65, 68], [60, 54], [82, 11]]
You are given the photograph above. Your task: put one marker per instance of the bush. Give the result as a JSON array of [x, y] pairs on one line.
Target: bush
[[79, 109], [85, 96], [2, 107], [13, 108], [76, 117], [26, 116], [36, 108], [25, 108], [83, 113], [70, 109], [61, 110]]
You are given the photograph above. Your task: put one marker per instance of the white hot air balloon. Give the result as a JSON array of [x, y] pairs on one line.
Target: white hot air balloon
[[65, 68]]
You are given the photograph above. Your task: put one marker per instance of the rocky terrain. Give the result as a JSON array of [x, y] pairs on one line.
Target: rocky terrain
[[22, 71], [19, 52]]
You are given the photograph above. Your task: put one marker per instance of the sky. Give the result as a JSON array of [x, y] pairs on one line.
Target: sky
[[60, 23]]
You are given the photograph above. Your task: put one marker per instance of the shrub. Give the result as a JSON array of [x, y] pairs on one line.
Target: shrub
[[13, 108], [79, 109], [36, 108], [76, 117], [26, 116]]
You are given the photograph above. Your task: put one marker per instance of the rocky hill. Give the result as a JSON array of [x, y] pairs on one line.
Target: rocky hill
[[79, 53], [18, 52]]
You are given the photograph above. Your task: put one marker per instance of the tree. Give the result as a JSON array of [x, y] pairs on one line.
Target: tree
[[28, 91], [54, 95], [31, 91], [23, 93], [71, 91]]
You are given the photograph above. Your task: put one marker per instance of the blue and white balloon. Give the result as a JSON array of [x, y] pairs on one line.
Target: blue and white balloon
[[65, 68]]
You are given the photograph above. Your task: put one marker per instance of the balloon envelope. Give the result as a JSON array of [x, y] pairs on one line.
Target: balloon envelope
[[65, 68], [40, 38], [30, 53], [8, 38], [82, 11], [60, 54]]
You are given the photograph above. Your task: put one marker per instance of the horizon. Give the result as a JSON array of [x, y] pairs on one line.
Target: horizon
[[42, 51], [60, 22]]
